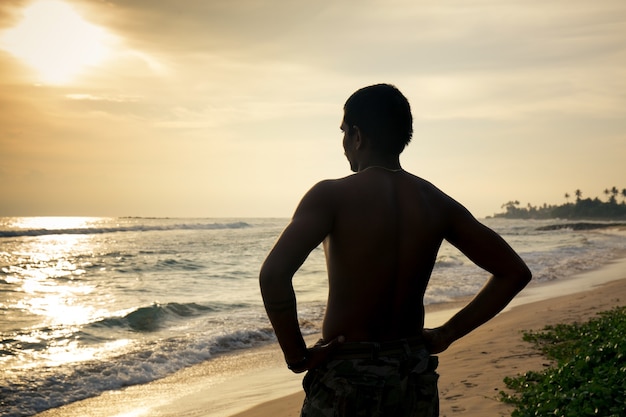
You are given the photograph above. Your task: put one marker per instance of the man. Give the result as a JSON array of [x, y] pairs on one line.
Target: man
[[381, 229]]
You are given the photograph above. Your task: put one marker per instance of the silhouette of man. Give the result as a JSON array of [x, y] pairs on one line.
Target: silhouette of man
[[381, 229]]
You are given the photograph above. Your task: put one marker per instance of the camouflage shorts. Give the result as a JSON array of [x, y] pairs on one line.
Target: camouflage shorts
[[381, 386]]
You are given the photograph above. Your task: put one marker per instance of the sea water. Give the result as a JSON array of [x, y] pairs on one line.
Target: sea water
[[95, 304]]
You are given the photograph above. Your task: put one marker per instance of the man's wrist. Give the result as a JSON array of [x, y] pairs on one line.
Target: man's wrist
[[448, 333], [298, 364]]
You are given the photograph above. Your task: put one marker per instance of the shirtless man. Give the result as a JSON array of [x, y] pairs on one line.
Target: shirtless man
[[381, 229]]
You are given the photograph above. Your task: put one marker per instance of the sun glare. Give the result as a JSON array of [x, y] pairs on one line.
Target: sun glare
[[52, 222], [56, 41]]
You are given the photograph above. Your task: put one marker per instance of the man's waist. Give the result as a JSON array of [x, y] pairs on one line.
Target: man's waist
[[374, 350]]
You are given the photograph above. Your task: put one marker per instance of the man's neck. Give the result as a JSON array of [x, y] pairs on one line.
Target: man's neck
[[388, 164], [382, 168]]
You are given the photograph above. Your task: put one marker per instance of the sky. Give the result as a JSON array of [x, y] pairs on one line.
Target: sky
[[231, 108]]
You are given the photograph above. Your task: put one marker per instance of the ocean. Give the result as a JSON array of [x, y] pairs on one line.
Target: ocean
[[89, 305]]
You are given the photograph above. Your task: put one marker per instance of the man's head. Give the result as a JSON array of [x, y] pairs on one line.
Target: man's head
[[383, 115]]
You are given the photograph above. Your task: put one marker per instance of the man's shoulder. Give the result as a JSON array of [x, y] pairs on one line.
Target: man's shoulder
[[334, 183], [320, 193]]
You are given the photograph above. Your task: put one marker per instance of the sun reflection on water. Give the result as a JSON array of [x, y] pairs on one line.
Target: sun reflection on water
[[52, 288], [57, 302], [74, 352], [52, 222]]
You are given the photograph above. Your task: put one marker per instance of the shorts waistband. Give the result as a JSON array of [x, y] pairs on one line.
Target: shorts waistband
[[374, 350]]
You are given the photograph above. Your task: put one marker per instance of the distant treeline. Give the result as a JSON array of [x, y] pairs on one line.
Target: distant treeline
[[581, 208]]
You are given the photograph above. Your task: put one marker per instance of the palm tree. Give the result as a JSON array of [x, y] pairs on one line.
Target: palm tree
[[614, 193], [606, 193], [579, 195], [624, 195], [567, 197]]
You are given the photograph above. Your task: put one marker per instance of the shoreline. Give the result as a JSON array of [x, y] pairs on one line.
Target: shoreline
[[255, 382]]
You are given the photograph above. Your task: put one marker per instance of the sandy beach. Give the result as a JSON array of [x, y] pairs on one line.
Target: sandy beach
[[255, 383]]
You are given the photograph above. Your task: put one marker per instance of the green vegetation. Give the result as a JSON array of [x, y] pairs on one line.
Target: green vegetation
[[580, 209], [589, 378]]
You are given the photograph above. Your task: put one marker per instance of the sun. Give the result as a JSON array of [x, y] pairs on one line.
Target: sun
[[56, 41]]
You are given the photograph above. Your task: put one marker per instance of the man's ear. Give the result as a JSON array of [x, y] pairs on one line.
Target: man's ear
[[359, 139]]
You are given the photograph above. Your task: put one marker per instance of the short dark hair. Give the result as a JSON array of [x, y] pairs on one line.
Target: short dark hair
[[383, 114]]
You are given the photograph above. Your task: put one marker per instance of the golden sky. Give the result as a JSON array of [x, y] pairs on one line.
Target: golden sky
[[231, 108]]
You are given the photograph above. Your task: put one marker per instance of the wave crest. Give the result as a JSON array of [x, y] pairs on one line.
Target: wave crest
[[153, 317], [117, 229]]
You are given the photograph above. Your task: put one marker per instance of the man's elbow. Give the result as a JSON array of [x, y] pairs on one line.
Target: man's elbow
[[270, 277], [266, 277], [523, 276]]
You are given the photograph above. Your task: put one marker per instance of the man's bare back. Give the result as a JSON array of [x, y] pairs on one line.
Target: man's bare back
[[380, 253]]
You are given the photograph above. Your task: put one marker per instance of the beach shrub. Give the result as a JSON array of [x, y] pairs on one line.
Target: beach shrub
[[589, 375]]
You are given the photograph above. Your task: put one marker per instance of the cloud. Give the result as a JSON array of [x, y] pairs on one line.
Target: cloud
[[91, 97], [11, 12], [194, 25], [481, 59]]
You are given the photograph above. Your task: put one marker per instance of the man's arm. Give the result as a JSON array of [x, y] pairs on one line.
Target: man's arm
[[311, 223], [489, 251]]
